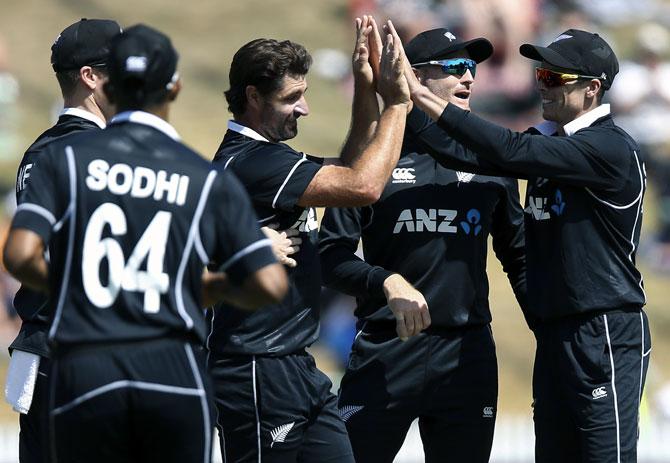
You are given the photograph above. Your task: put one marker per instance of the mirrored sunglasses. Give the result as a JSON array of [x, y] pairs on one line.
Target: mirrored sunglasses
[[556, 79], [454, 66]]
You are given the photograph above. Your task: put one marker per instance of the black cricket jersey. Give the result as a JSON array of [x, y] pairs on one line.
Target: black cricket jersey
[[31, 305], [131, 216], [275, 176], [583, 210], [431, 226]]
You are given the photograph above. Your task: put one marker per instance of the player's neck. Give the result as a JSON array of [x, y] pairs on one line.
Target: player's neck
[[86, 104]]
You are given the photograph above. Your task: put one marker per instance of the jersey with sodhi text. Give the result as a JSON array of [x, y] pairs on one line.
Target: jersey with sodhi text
[[275, 176], [132, 216]]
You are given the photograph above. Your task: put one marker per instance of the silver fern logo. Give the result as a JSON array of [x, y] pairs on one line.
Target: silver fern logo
[[348, 411], [280, 432]]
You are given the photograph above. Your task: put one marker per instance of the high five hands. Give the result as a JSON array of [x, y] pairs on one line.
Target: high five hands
[[381, 62]]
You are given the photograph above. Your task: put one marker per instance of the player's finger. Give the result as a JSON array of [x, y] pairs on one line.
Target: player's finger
[[292, 249], [425, 315], [410, 324], [289, 232], [295, 241], [401, 329], [289, 262]]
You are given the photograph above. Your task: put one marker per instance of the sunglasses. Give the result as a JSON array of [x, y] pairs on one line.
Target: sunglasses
[[454, 66], [556, 79]]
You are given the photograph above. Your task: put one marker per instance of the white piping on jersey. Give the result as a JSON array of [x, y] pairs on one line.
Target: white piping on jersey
[[614, 394], [637, 200], [295, 166], [258, 420], [39, 210], [244, 251], [203, 401], [121, 384], [89, 116], [647, 353], [200, 249], [192, 232], [225, 166], [71, 209], [586, 119], [267, 219], [246, 131], [639, 397], [141, 117]]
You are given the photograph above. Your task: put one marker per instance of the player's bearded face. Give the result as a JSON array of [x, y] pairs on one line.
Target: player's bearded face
[[283, 107]]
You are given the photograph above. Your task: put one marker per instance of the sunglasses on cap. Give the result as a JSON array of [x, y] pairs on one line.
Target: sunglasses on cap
[[454, 66], [556, 79]]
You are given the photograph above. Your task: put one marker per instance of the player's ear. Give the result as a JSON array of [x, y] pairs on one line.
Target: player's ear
[[593, 88], [254, 98], [174, 91]]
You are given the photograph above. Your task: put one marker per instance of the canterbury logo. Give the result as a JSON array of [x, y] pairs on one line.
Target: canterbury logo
[[599, 393], [280, 432], [487, 412], [464, 177], [403, 175], [348, 411]]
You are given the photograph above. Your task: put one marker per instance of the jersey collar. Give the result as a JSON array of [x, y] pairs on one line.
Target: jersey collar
[[585, 120], [246, 131], [141, 117], [82, 113]]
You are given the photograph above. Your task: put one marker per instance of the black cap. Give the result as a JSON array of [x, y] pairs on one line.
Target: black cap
[[144, 56], [437, 43], [83, 43], [580, 51]]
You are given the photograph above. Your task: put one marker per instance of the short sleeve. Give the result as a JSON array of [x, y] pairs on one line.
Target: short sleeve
[[43, 203], [275, 175], [229, 230]]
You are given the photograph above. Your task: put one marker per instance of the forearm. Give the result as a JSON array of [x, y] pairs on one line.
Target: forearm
[[34, 273], [373, 168], [24, 259], [364, 120], [344, 271]]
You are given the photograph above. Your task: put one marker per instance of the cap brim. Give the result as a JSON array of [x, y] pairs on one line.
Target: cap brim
[[479, 49], [545, 54]]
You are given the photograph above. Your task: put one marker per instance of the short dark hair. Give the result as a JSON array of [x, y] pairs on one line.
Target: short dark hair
[[263, 63], [68, 79], [132, 95]]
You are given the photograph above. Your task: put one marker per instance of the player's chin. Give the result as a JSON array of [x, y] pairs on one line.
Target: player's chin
[[463, 103]]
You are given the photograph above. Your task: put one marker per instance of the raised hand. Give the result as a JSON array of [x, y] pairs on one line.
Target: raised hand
[[361, 56], [375, 46], [412, 81], [392, 84]]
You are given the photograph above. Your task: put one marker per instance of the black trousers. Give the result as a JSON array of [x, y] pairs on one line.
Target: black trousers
[[136, 402], [446, 379], [34, 429], [587, 385], [277, 409]]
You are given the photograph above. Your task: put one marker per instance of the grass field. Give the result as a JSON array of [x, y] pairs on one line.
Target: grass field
[[206, 33]]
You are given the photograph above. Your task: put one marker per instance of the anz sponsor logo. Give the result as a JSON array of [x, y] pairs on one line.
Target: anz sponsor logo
[[540, 208], [307, 221], [403, 175], [438, 220]]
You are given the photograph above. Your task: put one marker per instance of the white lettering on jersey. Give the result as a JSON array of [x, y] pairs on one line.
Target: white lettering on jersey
[[536, 207], [430, 220], [139, 182], [24, 173], [307, 221]]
